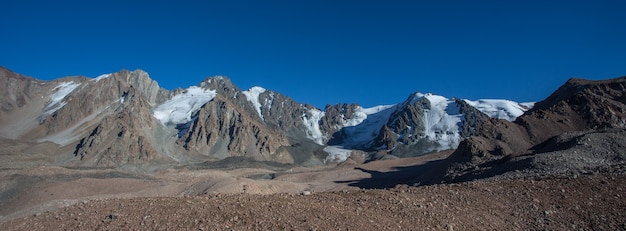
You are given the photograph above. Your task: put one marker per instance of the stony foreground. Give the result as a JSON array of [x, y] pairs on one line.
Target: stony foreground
[[592, 202]]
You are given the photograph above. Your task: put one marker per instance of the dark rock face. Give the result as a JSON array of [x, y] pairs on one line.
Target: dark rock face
[[336, 115], [334, 119], [230, 125], [222, 129], [386, 139], [120, 138], [578, 105], [408, 120]]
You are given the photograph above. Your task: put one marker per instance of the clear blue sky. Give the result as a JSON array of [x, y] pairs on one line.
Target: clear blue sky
[[319, 52]]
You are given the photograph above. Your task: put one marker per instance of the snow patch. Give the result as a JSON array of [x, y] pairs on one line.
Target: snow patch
[[252, 95], [500, 109], [336, 154], [361, 114], [56, 100], [441, 121], [101, 77], [366, 124], [312, 125], [180, 108]]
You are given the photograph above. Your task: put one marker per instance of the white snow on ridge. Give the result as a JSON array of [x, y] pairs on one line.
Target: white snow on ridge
[[179, 109], [499, 108], [377, 109], [56, 100], [529, 105], [442, 121], [312, 125], [361, 114], [366, 124], [101, 77], [252, 95]]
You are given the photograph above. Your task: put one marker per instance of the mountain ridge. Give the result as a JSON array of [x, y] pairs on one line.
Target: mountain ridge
[[581, 114], [216, 120]]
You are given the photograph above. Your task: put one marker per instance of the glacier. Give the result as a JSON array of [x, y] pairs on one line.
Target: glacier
[[180, 108], [366, 124], [312, 125], [252, 95], [500, 108], [442, 121]]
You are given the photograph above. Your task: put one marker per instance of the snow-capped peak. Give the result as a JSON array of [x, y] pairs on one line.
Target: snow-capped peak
[[252, 95], [101, 77], [180, 108]]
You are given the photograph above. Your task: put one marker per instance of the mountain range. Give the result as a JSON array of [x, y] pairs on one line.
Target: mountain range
[[125, 118]]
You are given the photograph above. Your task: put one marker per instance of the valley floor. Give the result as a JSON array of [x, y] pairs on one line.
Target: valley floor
[[341, 197], [593, 202]]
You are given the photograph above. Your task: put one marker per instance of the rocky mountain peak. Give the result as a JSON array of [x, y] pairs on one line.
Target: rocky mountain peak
[[577, 105], [221, 84], [216, 120]]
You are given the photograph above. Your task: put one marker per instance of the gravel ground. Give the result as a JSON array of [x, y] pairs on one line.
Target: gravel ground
[[584, 202]]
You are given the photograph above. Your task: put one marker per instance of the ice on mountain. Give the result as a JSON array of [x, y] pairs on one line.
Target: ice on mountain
[[180, 108], [361, 114], [101, 77], [441, 121], [252, 95], [366, 124], [56, 100], [499, 108], [312, 125]]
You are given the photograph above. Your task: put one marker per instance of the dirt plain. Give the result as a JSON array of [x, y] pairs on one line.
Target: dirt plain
[[348, 197]]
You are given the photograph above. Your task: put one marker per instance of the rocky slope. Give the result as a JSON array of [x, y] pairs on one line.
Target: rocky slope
[[581, 126], [559, 165], [126, 118]]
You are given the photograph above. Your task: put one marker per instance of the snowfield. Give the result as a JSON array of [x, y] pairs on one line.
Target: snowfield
[[180, 108], [101, 77], [252, 95], [56, 99], [500, 108], [442, 121], [366, 124], [312, 125]]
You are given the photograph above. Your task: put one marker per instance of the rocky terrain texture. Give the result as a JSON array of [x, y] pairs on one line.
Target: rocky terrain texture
[[591, 202], [72, 160]]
